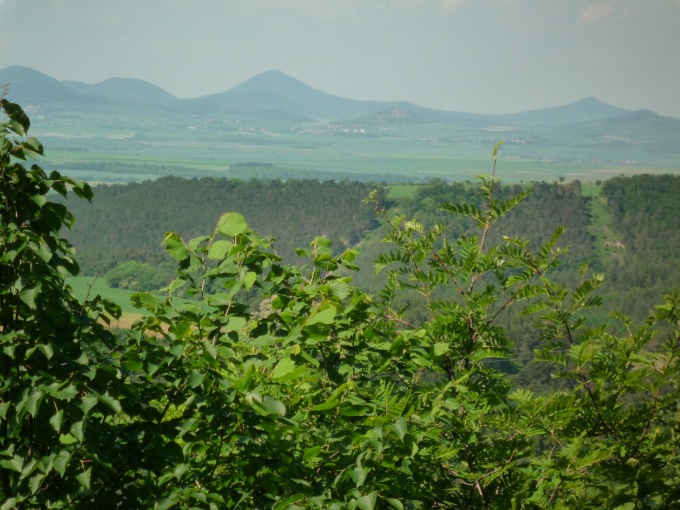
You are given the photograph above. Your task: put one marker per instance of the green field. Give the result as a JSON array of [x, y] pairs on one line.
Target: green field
[[118, 148], [86, 287]]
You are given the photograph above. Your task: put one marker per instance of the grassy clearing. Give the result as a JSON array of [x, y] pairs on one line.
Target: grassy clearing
[[402, 191], [606, 241], [86, 287]]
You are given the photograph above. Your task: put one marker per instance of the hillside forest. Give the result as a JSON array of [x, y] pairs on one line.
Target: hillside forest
[[367, 358], [627, 231]]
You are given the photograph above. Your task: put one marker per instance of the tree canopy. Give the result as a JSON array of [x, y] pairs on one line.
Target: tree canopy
[[326, 397]]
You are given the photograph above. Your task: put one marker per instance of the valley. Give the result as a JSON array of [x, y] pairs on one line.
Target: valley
[[274, 126]]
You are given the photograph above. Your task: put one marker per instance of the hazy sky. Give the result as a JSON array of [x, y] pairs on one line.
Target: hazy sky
[[482, 56]]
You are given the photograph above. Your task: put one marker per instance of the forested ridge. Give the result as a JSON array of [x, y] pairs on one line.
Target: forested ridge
[[632, 237], [329, 397], [129, 222]]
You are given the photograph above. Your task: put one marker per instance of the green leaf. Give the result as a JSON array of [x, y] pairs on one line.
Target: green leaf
[[87, 402], [175, 246], [39, 200], [60, 462], [143, 299], [249, 279], [20, 123], [67, 439], [84, 478], [33, 148], [367, 502], [77, 430], [359, 475], [33, 401], [111, 402], [219, 249], [232, 224], [273, 405], [325, 406], [395, 503], [400, 427], [311, 453], [440, 348], [195, 379], [28, 297], [283, 368], [35, 482], [16, 463], [186, 426], [164, 504], [56, 419], [324, 316]]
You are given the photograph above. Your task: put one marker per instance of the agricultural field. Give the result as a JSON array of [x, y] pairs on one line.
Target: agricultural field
[[106, 148]]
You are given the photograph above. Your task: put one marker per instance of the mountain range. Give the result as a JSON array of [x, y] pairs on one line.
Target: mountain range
[[276, 102], [274, 93]]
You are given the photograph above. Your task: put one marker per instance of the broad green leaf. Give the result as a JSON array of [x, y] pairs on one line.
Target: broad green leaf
[[175, 246], [35, 482], [84, 478], [28, 297], [232, 224], [47, 350], [283, 368], [311, 453], [324, 316], [16, 463], [66, 393], [60, 462], [249, 279], [395, 503], [20, 121], [39, 200], [9, 504], [440, 348], [164, 504], [273, 405], [359, 475], [67, 439], [32, 147], [87, 402], [325, 406], [219, 249], [56, 419], [367, 502], [143, 299], [32, 402], [195, 379], [77, 430], [400, 427], [110, 401], [187, 425], [234, 324]]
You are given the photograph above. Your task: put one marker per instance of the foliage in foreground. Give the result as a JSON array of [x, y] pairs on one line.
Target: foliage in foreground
[[323, 398]]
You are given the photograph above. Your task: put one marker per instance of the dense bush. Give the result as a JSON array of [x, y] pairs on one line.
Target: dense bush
[[325, 398]]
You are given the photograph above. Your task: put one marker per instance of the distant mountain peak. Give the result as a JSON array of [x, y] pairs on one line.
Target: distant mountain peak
[[583, 110], [29, 85], [272, 80]]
